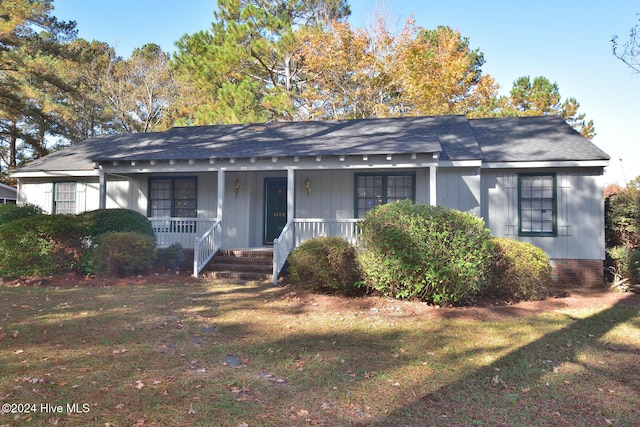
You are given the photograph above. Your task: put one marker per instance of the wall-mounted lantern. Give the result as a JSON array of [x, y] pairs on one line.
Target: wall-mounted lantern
[[307, 186], [237, 184]]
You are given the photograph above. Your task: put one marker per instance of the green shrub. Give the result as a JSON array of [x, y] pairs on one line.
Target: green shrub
[[518, 271], [624, 265], [436, 254], [123, 254], [103, 221], [622, 218], [326, 265], [10, 212], [40, 245], [171, 257]]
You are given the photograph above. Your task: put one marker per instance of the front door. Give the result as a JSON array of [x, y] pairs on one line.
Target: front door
[[275, 208]]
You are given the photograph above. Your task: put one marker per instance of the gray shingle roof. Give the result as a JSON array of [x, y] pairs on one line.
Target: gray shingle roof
[[526, 139], [454, 137]]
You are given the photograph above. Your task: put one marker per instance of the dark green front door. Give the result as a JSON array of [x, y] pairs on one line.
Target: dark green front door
[[275, 208]]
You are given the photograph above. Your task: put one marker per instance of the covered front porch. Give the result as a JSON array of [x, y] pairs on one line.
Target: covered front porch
[[268, 203]]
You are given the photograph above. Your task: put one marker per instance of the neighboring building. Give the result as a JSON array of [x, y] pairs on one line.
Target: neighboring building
[[531, 178], [8, 194]]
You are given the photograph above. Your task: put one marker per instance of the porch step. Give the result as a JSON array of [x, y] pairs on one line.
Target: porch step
[[243, 264]]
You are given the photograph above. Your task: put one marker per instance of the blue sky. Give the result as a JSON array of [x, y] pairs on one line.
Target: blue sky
[[566, 41]]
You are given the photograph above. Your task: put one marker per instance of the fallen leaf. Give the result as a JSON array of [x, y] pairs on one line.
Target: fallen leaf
[[139, 384], [191, 410], [15, 334], [120, 406]]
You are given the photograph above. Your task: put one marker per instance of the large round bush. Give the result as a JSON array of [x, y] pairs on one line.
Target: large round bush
[[518, 271], [103, 221], [123, 254], [325, 265], [40, 245], [436, 254]]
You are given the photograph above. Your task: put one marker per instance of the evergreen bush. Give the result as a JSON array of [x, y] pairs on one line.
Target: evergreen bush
[[11, 212], [518, 271], [436, 254], [40, 245], [103, 221], [123, 254], [326, 265], [171, 257]]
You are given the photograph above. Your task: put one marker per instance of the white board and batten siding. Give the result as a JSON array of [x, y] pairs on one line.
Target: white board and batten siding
[[580, 213], [40, 193], [459, 189]]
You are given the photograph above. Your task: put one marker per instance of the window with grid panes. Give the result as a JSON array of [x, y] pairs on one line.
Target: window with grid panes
[[64, 198], [377, 189], [537, 204], [173, 197]]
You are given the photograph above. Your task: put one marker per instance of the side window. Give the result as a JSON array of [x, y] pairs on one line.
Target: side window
[[378, 189], [537, 202], [173, 197], [64, 198]]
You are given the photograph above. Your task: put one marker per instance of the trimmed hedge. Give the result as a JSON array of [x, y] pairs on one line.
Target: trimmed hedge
[[518, 271], [123, 254], [436, 254], [326, 265], [40, 245]]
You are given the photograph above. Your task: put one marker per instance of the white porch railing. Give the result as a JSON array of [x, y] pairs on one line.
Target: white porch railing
[[206, 246], [179, 230], [300, 229]]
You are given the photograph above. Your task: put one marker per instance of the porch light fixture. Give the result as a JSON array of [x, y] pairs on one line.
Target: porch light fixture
[[307, 186], [237, 184]]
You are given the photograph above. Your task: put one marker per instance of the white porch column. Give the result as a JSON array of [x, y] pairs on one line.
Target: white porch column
[[102, 203], [290, 194], [220, 205], [433, 197]]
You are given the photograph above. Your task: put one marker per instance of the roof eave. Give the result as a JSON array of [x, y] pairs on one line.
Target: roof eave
[[546, 164]]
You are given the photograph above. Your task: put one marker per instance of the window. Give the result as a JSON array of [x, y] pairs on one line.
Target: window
[[173, 197], [377, 189], [64, 198], [537, 204]]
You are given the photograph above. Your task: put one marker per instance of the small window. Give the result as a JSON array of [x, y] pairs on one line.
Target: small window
[[64, 198], [378, 189], [173, 197], [537, 205]]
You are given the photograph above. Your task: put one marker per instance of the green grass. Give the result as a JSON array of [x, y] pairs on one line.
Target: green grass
[[165, 354]]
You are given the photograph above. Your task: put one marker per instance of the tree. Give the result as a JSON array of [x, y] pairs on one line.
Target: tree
[[540, 97], [630, 52], [32, 79], [359, 74], [347, 73], [438, 73], [141, 91], [244, 67]]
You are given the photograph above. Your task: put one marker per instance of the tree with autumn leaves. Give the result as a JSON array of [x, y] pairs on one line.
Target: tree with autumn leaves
[[302, 60]]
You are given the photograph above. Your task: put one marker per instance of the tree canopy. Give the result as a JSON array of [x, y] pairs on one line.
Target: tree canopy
[[261, 60]]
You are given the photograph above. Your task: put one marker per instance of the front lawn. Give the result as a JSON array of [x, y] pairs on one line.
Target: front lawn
[[236, 354]]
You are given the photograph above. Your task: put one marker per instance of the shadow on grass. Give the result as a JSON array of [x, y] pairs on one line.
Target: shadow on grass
[[574, 376]]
